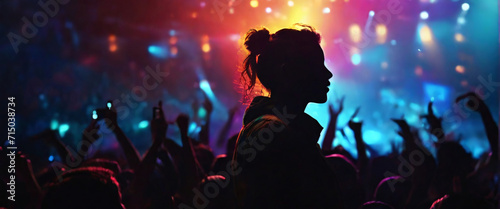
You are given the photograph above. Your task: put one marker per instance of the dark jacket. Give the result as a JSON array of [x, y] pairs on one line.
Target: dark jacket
[[278, 163]]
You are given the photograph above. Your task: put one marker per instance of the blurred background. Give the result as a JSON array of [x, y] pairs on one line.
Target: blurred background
[[63, 59]]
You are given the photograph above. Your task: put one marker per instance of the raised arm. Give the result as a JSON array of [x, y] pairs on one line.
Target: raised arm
[[204, 133], [224, 132], [360, 144], [332, 125], [475, 103], [436, 127], [129, 149]]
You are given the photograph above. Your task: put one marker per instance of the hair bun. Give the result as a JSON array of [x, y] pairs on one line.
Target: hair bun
[[257, 40]]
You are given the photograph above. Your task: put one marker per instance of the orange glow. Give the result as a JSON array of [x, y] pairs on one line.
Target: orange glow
[[355, 33], [194, 15], [381, 31], [112, 38], [204, 38], [254, 3], [174, 51], [113, 48], [459, 37], [460, 69], [205, 47], [173, 40], [425, 34]]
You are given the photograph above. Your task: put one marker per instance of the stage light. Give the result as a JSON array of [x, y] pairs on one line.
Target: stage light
[[290, 3], [143, 124], [254, 3], [356, 59], [112, 38], [63, 128], [425, 34], [465, 6], [355, 33], [460, 69], [461, 20], [326, 10], [424, 15], [371, 13], [172, 40], [172, 32], [174, 51], [384, 65], [459, 37], [381, 31], [394, 42], [203, 4], [419, 71], [113, 47], [54, 124], [158, 51], [94, 115], [205, 47], [268, 10], [202, 113], [51, 158]]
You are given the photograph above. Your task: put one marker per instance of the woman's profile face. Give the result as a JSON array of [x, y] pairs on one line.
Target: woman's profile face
[[310, 77]]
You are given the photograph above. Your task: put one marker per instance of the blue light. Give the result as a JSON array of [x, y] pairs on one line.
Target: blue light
[[371, 13], [461, 20], [143, 124], [192, 127], [94, 115], [205, 86], [54, 124], [372, 137], [356, 59], [171, 32], [394, 42], [465, 6], [109, 105], [51, 158], [63, 128], [158, 51], [424, 15]]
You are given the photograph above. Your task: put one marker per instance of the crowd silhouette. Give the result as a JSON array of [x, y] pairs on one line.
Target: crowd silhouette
[[275, 160]]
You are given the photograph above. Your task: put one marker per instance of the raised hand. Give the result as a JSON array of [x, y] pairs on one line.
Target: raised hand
[[159, 125], [436, 128], [474, 102], [332, 126], [403, 125], [337, 112]]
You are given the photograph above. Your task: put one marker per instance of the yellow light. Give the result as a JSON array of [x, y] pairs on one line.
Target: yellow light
[[205, 47], [174, 51], [113, 47], [290, 3], [459, 37], [425, 34], [355, 33], [254, 3], [381, 31], [460, 69]]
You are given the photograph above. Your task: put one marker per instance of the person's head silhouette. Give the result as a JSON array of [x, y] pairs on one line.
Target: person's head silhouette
[[289, 64]]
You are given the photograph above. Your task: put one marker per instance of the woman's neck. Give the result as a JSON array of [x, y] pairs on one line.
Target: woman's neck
[[293, 104]]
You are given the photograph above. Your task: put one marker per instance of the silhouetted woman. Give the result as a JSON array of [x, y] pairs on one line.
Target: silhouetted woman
[[277, 161]]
